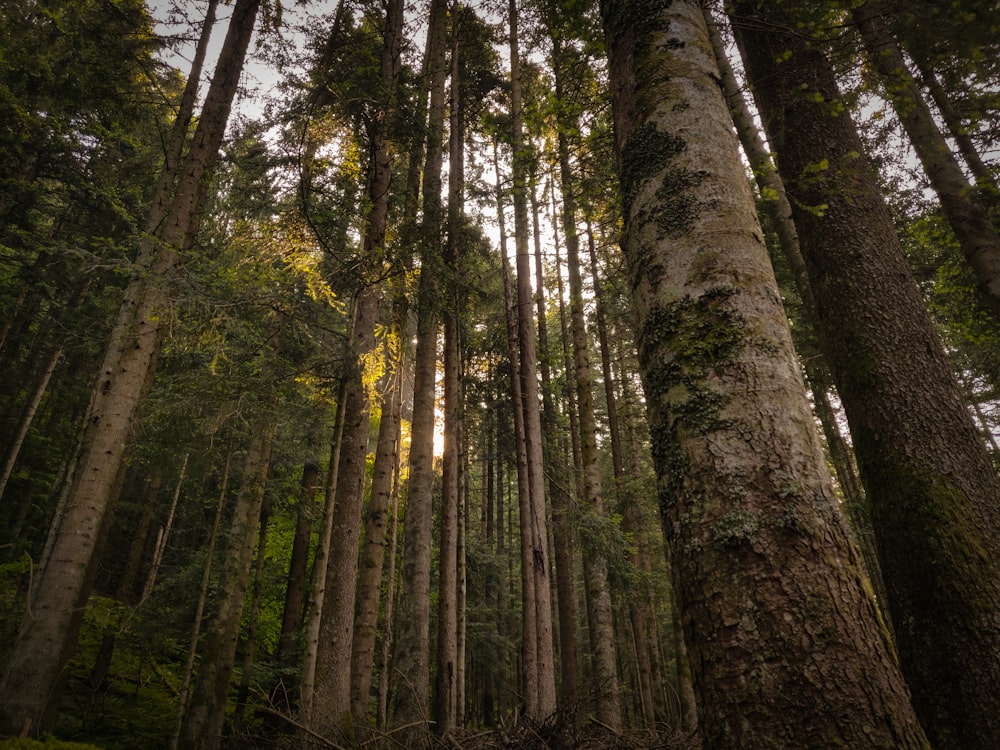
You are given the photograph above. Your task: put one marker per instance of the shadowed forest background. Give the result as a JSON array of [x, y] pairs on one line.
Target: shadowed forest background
[[547, 374]]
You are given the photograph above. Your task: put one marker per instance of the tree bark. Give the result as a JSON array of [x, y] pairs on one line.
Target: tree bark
[[412, 658], [769, 585], [542, 702], [595, 565], [976, 234], [934, 495], [206, 573], [28, 694], [202, 727], [298, 568], [373, 557]]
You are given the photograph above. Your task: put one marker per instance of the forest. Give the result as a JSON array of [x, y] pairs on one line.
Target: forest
[[526, 374]]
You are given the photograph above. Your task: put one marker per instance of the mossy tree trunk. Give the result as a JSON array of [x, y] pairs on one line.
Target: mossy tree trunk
[[786, 644], [935, 497]]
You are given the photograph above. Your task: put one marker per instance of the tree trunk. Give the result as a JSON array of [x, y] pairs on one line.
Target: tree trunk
[[331, 710], [633, 518], [48, 633], [298, 568], [317, 583], [982, 173], [542, 702], [250, 651], [818, 376], [373, 557], [412, 644], [595, 564], [446, 685], [768, 582], [978, 238], [202, 726], [206, 574], [934, 495]]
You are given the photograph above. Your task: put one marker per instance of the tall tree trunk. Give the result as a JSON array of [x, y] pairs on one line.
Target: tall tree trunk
[[317, 583], [28, 689], [298, 568], [982, 173], [818, 376], [935, 496], [330, 714], [250, 650], [557, 476], [412, 643], [595, 564], [769, 584], [542, 702], [446, 685], [373, 557], [202, 727], [206, 574], [529, 631], [331, 710], [391, 575], [976, 234], [633, 518]]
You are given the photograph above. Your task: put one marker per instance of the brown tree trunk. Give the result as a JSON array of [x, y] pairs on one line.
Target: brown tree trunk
[[542, 701], [206, 573], [769, 585], [595, 565], [982, 173], [332, 707], [446, 684], [412, 657], [202, 727], [28, 689], [373, 558], [935, 496], [976, 234], [250, 649], [298, 568]]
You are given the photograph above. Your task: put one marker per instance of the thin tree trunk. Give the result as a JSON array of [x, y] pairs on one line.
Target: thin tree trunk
[[317, 585], [976, 234], [390, 588], [446, 686], [412, 644], [373, 554], [933, 492], [763, 564], [250, 653], [206, 574], [982, 173], [595, 564], [542, 702], [633, 521], [298, 568], [202, 727]]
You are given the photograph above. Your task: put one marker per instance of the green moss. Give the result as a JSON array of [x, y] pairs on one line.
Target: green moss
[[640, 17], [735, 528], [681, 344], [676, 206], [646, 153]]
